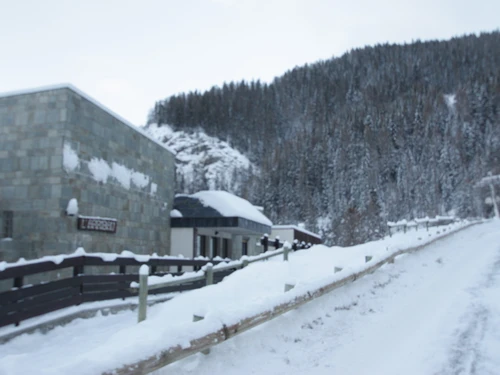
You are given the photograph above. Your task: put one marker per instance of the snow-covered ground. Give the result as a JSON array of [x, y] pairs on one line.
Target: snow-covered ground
[[435, 311]]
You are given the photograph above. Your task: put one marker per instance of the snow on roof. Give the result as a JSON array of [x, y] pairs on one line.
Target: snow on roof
[[90, 99], [300, 229], [229, 205]]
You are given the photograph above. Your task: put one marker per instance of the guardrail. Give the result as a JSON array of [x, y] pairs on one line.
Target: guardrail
[[225, 332], [426, 222], [206, 275]]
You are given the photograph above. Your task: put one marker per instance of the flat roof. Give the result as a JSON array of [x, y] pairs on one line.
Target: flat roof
[[91, 100], [236, 225], [214, 203]]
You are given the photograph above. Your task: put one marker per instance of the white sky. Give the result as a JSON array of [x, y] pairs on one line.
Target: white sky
[[128, 54]]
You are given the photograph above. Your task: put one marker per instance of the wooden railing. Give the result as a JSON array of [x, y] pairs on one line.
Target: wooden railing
[[23, 301]]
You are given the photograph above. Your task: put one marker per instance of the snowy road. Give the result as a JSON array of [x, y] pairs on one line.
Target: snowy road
[[436, 311]]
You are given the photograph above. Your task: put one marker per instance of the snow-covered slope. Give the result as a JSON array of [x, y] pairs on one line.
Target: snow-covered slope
[[203, 162]]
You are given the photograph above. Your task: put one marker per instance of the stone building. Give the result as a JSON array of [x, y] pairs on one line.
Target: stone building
[[73, 174]]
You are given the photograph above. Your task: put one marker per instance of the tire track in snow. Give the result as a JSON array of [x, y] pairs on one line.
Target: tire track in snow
[[466, 357]]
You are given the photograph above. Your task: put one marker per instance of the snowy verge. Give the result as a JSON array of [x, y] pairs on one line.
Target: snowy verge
[[45, 323], [223, 319]]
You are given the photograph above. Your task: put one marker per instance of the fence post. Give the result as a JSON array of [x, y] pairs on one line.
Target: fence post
[[197, 318], [289, 287], [79, 270], [143, 292], [209, 274], [286, 250]]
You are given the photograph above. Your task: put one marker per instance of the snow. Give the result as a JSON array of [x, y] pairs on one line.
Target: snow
[[99, 218], [140, 179], [144, 270], [122, 174], [433, 312], [230, 205], [99, 169], [72, 208], [70, 158], [451, 101], [491, 179], [107, 257], [175, 213], [342, 342], [201, 156]]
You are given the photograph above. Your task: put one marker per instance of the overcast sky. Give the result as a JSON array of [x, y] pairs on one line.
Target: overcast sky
[[128, 54]]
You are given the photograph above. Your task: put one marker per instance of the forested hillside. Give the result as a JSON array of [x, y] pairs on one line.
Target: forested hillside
[[381, 133]]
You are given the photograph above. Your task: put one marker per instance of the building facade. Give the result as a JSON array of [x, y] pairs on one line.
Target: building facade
[[293, 233], [216, 224], [73, 174]]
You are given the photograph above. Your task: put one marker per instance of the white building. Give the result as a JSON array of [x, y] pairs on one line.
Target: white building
[[216, 223], [293, 232]]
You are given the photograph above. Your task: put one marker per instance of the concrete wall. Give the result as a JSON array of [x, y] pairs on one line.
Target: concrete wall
[[182, 242], [35, 128]]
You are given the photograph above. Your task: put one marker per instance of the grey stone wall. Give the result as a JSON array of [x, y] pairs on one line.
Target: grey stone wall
[[37, 184]]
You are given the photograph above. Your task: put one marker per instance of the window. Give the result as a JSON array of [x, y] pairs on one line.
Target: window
[[244, 247], [225, 248], [8, 223], [214, 247], [201, 246]]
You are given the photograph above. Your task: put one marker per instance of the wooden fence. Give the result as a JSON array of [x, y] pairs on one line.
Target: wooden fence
[[22, 301]]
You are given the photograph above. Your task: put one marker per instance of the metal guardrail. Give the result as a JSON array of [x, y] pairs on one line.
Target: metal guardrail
[[419, 223], [207, 274], [225, 332]]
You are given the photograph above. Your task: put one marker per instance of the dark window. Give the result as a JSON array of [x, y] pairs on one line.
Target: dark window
[[215, 246], [244, 247], [225, 248], [202, 246], [8, 224]]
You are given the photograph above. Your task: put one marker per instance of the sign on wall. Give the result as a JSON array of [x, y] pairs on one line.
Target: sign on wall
[[97, 224]]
